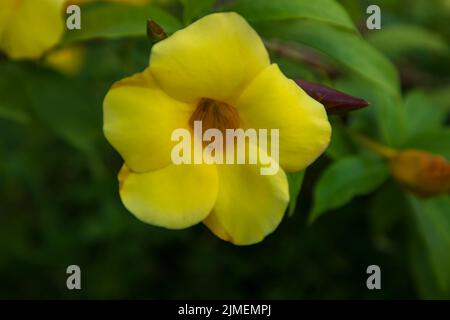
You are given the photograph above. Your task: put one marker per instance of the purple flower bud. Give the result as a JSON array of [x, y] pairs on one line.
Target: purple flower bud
[[334, 101]]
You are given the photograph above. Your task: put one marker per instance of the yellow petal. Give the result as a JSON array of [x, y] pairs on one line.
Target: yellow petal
[[32, 28], [67, 60], [249, 205], [138, 120], [273, 101], [215, 57], [175, 197], [6, 13]]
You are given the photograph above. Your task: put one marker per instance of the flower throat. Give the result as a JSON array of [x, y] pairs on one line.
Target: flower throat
[[215, 114]]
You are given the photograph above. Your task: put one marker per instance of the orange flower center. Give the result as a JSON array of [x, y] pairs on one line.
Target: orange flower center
[[215, 114]]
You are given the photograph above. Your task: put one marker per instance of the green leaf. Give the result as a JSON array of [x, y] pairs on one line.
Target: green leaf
[[61, 103], [340, 144], [108, 20], [295, 70], [13, 112], [386, 209], [345, 179], [324, 11], [374, 73], [441, 97], [435, 141], [295, 180], [399, 39], [422, 114], [13, 104], [194, 9], [386, 112], [432, 221], [66, 106], [347, 48], [424, 277]]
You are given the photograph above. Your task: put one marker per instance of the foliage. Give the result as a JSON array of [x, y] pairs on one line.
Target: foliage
[[58, 175]]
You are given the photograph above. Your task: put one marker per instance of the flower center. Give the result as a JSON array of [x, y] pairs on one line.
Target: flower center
[[215, 114]]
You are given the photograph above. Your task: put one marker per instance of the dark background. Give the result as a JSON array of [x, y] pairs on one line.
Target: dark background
[[59, 202]]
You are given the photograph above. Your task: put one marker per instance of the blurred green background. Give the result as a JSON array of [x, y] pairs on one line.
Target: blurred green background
[[59, 202]]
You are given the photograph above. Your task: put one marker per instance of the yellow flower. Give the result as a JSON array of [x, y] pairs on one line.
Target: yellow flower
[[28, 28], [219, 59], [68, 60]]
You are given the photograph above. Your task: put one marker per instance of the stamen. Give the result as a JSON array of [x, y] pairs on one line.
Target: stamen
[[215, 114]]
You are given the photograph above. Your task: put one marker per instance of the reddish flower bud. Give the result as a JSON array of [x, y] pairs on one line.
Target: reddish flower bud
[[333, 100], [155, 32], [420, 172]]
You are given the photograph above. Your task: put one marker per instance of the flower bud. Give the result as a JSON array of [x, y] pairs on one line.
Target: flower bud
[[155, 32], [333, 100], [422, 173]]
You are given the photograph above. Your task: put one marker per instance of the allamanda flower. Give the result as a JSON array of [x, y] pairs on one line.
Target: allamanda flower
[[28, 28], [216, 70]]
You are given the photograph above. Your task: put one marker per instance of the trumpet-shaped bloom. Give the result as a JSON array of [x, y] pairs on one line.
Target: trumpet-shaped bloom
[[221, 60], [30, 27]]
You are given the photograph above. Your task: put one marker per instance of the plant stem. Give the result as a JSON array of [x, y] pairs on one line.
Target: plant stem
[[374, 146], [304, 56]]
